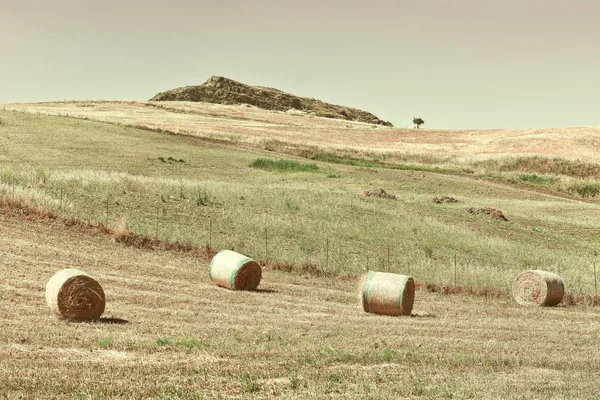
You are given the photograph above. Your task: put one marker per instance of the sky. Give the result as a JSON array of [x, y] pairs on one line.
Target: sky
[[457, 64]]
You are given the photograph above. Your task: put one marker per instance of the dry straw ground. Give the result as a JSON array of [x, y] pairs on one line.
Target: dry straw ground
[[169, 333]]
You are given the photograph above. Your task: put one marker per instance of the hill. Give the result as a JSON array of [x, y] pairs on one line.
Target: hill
[[193, 180], [222, 90], [562, 159], [266, 129]]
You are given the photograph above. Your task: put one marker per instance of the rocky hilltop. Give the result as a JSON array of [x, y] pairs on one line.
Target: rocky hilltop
[[222, 90]]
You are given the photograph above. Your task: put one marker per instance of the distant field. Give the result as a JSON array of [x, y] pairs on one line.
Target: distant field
[[289, 198], [252, 125], [564, 160]]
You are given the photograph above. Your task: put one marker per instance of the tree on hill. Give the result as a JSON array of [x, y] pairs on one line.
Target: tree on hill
[[418, 121]]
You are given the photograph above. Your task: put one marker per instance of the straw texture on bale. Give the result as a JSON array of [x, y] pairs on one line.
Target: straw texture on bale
[[388, 294], [73, 294], [234, 271], [538, 288]]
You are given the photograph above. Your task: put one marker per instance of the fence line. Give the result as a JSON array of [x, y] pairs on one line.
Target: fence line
[[468, 276]]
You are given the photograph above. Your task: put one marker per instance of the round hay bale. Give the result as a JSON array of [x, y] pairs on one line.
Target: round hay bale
[[234, 271], [538, 288], [388, 294], [73, 294]]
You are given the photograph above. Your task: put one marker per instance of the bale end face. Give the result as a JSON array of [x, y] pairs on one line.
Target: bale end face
[[235, 271], [408, 297], [538, 288], [248, 276], [72, 294]]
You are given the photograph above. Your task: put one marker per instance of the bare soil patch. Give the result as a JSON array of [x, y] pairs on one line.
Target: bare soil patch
[[443, 199], [379, 192], [488, 212]]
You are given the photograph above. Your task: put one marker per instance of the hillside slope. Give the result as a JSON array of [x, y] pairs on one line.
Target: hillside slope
[[222, 90], [177, 186]]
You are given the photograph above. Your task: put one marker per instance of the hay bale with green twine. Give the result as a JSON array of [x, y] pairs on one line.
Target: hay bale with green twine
[[72, 294], [388, 294], [538, 288], [234, 271]]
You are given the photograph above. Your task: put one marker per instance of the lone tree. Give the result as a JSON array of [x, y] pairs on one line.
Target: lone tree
[[418, 121]]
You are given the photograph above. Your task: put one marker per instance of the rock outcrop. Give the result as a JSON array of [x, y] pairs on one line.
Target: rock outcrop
[[222, 90]]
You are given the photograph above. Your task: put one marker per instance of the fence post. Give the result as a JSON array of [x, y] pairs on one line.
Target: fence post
[[388, 259], [595, 285], [454, 269], [266, 245], [106, 217], [327, 253], [157, 216]]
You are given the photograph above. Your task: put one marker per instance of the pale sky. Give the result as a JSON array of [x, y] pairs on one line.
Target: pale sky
[[454, 63]]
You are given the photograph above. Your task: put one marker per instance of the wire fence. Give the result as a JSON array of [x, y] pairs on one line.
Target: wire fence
[[215, 230]]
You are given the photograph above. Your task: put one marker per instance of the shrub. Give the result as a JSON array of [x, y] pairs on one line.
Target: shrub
[[418, 122], [283, 165], [202, 197], [585, 189], [537, 179], [172, 160], [250, 385], [543, 165], [325, 114]]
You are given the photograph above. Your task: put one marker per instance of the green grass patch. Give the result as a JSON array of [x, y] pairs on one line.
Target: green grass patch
[[282, 165], [106, 341], [542, 165], [584, 189], [345, 160], [162, 341], [537, 179], [250, 384], [187, 343]]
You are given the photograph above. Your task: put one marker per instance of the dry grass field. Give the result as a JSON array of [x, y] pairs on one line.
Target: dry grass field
[[169, 333], [260, 127]]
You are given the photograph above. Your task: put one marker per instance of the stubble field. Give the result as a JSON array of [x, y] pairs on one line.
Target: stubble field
[[169, 333]]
